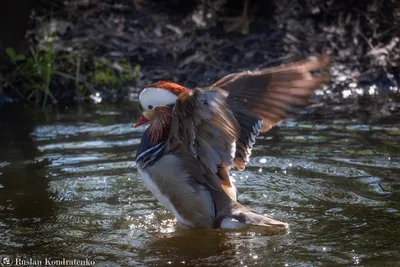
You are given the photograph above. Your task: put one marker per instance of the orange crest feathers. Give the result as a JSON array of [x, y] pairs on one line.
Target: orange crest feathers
[[174, 88]]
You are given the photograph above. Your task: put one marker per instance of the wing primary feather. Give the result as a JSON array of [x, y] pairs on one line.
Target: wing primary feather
[[219, 125]]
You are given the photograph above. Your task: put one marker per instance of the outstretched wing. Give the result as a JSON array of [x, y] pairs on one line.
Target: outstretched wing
[[269, 96], [215, 129]]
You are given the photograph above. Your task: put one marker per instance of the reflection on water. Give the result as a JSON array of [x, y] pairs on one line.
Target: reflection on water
[[69, 189]]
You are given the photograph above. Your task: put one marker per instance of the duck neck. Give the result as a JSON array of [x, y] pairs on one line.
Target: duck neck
[[159, 128], [155, 135]]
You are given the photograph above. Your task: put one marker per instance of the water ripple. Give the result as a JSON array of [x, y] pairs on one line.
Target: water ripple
[[336, 184]]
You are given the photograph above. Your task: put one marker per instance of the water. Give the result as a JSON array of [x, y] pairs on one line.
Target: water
[[69, 189]]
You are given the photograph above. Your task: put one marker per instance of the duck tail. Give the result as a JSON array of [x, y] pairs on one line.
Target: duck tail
[[241, 217]]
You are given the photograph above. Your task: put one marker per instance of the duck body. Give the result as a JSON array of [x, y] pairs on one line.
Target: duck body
[[166, 177], [196, 137]]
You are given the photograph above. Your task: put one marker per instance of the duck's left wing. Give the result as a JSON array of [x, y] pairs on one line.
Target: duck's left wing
[[204, 133], [213, 125], [260, 99]]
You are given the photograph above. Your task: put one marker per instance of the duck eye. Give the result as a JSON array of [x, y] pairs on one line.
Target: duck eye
[[150, 106]]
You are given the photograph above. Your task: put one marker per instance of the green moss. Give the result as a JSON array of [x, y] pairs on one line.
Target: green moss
[[115, 73]]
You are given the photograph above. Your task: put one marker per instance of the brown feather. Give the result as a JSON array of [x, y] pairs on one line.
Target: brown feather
[[207, 123], [275, 93], [160, 126], [172, 87], [204, 128]]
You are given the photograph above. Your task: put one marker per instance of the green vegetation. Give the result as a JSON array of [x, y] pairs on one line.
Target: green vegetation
[[113, 74], [42, 69], [52, 70], [36, 70]]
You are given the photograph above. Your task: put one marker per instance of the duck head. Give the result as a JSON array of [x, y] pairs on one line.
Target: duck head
[[159, 94]]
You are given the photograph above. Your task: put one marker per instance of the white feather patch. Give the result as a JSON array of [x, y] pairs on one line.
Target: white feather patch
[[231, 223], [156, 97]]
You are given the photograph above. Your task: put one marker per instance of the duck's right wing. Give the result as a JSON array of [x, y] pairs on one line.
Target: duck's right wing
[[203, 134]]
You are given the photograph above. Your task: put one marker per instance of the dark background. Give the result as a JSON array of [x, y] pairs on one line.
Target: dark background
[[196, 42]]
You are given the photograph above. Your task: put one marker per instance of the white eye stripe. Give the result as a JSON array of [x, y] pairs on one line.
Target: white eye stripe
[[156, 97]]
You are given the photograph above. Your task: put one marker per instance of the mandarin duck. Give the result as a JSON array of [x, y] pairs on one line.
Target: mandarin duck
[[196, 136]]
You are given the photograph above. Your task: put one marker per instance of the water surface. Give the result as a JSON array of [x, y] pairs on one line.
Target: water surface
[[69, 189]]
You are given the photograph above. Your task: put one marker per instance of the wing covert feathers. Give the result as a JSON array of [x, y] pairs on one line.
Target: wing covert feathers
[[275, 93], [218, 126]]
